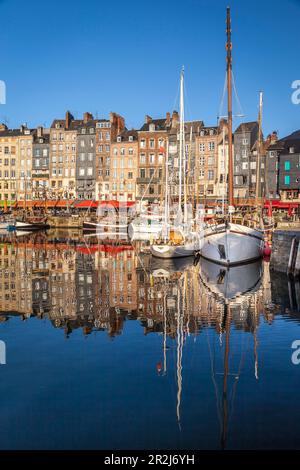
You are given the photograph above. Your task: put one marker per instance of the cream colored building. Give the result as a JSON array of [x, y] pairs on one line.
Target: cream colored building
[[62, 166]]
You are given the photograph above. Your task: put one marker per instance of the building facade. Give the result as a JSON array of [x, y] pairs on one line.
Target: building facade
[[106, 132], [40, 163], [63, 149], [86, 158], [124, 163], [152, 138]]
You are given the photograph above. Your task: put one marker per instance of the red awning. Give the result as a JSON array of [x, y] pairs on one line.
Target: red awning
[[281, 205], [116, 204], [86, 204]]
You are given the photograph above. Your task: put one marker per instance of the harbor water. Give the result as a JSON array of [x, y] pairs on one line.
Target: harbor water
[[106, 347]]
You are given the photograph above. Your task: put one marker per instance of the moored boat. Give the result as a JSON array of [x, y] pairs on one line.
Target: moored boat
[[232, 244]]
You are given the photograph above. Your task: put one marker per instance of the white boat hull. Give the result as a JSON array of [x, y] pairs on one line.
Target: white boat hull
[[232, 244], [172, 251]]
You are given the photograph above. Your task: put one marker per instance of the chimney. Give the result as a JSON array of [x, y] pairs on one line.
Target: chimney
[[175, 118], [3, 127], [168, 119], [120, 124], [87, 117], [274, 137], [148, 119], [69, 118], [40, 131], [22, 127]]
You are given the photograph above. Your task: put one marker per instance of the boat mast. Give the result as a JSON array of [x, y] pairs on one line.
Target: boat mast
[[259, 142], [166, 214], [181, 141], [229, 96]]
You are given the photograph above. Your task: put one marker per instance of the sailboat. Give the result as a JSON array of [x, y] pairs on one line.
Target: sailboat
[[178, 240], [231, 244]]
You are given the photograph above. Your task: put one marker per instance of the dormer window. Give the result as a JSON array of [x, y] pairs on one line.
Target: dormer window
[[41, 141], [211, 132], [202, 133], [292, 150], [91, 130], [119, 138], [130, 138], [83, 131], [57, 125], [151, 127]]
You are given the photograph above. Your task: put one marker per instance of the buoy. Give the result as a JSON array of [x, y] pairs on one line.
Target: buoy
[[159, 367], [267, 250]]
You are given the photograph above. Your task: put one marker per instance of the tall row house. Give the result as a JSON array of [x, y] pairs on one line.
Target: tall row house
[[152, 138], [40, 163], [283, 168], [124, 164], [191, 131], [106, 132], [63, 147], [86, 158], [207, 143], [8, 163], [245, 159]]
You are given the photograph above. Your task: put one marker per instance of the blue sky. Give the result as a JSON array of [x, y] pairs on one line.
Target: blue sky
[[102, 56]]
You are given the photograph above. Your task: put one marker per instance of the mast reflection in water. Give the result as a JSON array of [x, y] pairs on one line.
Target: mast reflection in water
[[200, 357]]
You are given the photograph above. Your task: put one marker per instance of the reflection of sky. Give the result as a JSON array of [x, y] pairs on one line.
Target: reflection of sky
[[94, 392]]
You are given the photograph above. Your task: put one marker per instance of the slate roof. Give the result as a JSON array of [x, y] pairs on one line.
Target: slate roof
[[125, 134], [246, 127], [160, 125], [283, 145]]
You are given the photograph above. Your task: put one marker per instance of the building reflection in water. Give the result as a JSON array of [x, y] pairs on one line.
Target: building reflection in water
[[97, 287]]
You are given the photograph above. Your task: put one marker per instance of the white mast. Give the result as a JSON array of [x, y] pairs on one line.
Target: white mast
[[166, 214], [181, 144]]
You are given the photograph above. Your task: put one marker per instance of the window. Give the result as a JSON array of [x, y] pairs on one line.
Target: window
[[81, 172], [245, 141], [201, 147], [119, 138], [130, 151], [142, 158], [143, 143], [122, 151], [90, 171], [210, 175], [211, 146], [245, 165], [287, 165], [287, 179], [130, 175], [142, 173], [201, 173], [151, 190], [107, 136], [152, 159], [152, 143], [211, 161], [82, 143], [130, 138], [201, 161]]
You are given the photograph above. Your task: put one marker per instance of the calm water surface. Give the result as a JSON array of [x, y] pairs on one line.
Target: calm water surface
[[109, 349]]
